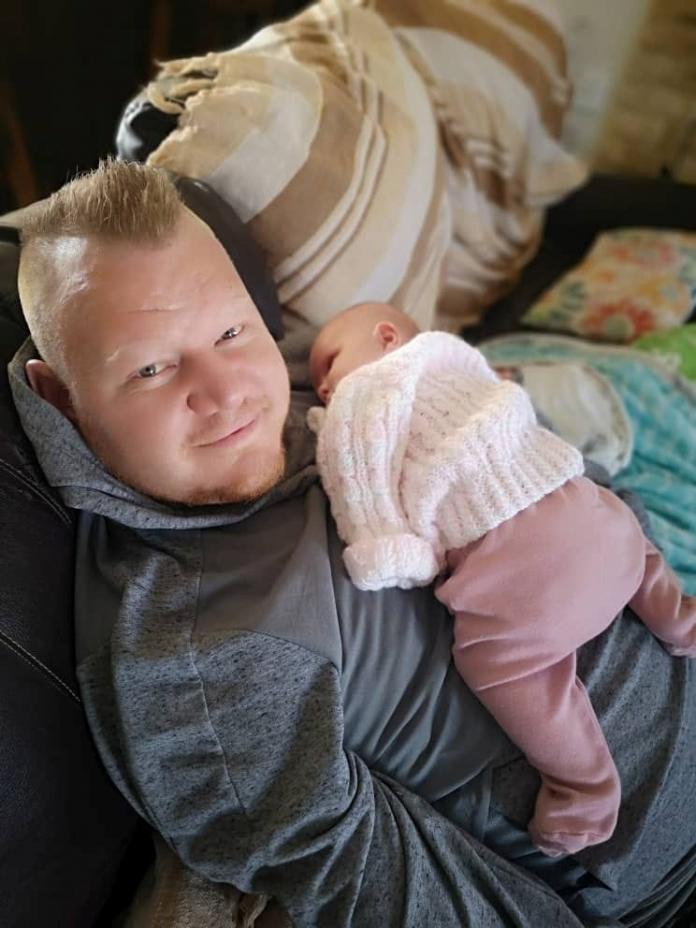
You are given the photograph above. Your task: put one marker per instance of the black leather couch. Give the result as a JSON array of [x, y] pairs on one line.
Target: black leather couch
[[71, 850]]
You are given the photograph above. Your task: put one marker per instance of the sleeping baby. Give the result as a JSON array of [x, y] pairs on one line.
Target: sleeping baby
[[435, 466]]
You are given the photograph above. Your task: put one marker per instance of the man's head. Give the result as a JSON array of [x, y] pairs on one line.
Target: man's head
[[150, 342], [357, 336]]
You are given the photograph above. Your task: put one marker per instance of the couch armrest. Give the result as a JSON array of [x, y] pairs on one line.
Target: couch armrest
[[65, 828]]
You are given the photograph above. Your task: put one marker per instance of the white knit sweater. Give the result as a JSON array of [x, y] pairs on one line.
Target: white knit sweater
[[427, 450]]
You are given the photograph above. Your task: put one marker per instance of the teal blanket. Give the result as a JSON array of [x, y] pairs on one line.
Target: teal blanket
[[662, 408]]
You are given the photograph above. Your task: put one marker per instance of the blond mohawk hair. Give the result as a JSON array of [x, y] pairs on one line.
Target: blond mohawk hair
[[122, 200], [118, 201]]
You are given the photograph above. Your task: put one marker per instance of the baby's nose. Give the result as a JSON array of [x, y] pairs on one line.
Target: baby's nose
[[323, 392]]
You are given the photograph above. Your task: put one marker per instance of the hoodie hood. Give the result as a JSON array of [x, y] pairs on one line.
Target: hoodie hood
[[84, 483]]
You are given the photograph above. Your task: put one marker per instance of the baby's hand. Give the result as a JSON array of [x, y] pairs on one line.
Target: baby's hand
[[316, 417]]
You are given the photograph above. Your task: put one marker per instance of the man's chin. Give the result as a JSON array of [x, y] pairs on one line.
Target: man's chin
[[241, 491], [244, 488]]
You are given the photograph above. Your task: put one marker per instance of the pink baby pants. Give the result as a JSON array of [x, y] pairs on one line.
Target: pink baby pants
[[524, 598]]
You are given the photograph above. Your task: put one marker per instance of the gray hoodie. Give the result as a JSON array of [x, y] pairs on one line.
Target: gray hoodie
[[265, 716]]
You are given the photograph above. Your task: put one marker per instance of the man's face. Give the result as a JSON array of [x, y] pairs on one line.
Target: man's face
[[176, 384]]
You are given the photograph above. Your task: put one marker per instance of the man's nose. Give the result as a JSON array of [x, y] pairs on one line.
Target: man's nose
[[214, 385]]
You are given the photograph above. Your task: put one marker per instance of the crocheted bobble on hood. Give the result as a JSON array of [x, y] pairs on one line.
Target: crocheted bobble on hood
[[427, 450]]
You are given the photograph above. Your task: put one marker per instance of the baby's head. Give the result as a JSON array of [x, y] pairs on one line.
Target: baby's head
[[356, 337]]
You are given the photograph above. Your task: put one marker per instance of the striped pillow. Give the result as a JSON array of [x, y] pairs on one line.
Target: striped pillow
[[399, 151]]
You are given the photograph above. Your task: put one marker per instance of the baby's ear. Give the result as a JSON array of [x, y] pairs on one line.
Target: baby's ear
[[48, 385], [387, 334], [316, 416]]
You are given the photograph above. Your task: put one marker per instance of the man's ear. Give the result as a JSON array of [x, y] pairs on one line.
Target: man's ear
[[387, 335], [48, 385]]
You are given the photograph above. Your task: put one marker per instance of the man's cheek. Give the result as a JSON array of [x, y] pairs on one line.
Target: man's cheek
[[143, 420]]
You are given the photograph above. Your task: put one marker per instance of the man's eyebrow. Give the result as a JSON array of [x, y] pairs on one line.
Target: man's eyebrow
[[233, 295], [137, 344], [153, 309]]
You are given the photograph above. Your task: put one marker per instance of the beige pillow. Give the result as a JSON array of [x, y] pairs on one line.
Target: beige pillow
[[403, 152]]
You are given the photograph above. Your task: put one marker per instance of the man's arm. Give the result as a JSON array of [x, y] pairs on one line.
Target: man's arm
[[246, 776]]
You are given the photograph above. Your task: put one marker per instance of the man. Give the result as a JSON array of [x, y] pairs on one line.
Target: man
[[250, 703]]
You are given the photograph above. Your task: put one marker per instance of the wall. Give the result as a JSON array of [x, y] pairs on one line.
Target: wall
[[633, 63], [68, 67], [650, 127], [599, 34]]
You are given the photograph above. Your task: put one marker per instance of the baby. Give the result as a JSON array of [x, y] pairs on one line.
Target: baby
[[433, 464]]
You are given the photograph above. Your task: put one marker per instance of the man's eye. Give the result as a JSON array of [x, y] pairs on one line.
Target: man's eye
[[150, 370], [232, 332]]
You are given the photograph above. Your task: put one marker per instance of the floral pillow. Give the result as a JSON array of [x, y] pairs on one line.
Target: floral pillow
[[632, 281]]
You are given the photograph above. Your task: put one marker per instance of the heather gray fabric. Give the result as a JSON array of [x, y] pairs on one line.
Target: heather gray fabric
[[254, 706]]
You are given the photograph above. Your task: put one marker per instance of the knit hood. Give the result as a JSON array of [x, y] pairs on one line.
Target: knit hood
[[84, 483]]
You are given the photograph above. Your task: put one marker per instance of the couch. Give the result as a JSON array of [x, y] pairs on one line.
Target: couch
[[71, 850]]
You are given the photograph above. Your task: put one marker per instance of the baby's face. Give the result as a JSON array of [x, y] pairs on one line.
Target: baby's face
[[340, 348]]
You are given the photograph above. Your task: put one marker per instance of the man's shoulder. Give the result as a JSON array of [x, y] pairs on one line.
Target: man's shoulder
[[169, 592]]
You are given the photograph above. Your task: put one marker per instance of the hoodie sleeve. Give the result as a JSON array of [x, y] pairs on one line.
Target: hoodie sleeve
[[244, 772]]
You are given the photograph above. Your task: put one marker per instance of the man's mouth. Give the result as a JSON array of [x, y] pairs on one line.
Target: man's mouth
[[233, 435]]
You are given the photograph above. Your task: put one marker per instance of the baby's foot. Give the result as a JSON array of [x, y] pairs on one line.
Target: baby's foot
[[566, 820]]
